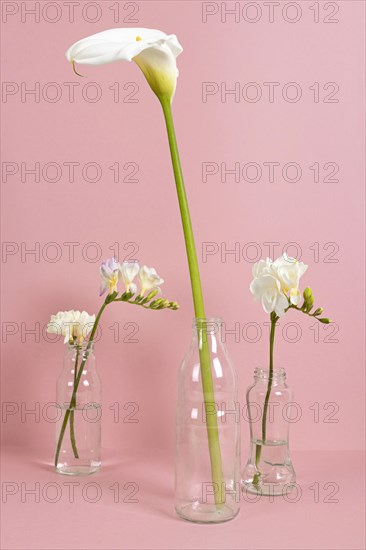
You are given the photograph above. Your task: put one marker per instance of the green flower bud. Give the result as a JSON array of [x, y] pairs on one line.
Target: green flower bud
[[318, 311], [111, 297], [308, 299], [151, 295], [155, 304], [127, 296], [325, 320], [307, 292]]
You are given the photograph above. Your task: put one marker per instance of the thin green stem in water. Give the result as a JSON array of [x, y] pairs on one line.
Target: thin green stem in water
[[204, 352], [69, 413], [77, 381], [72, 413], [258, 448]]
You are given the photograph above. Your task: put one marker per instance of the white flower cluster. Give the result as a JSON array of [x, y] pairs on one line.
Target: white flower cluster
[[76, 325], [276, 284], [112, 271], [73, 325]]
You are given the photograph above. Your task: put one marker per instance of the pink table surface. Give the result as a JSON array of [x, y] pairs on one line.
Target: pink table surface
[[326, 512], [320, 219]]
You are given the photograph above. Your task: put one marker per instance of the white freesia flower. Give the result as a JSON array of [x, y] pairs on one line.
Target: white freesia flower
[[73, 325], [110, 272], [153, 51], [61, 324], [263, 267], [268, 289], [288, 272], [129, 270], [149, 279], [276, 284]]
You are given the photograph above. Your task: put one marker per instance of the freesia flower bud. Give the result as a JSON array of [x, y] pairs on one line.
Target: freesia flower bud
[[308, 299], [151, 295]]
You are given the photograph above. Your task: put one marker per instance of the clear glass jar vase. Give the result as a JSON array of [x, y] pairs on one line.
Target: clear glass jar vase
[[269, 470], [79, 398], [207, 466]]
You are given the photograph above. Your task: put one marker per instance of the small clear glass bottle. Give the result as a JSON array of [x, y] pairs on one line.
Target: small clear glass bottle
[[78, 429], [198, 498], [269, 470]]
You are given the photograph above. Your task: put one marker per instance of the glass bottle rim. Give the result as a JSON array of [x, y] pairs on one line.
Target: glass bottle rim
[[211, 324], [81, 347], [263, 373]]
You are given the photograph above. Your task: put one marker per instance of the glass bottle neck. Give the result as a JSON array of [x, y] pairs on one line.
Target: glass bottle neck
[[82, 351], [262, 375], [209, 325], [207, 330]]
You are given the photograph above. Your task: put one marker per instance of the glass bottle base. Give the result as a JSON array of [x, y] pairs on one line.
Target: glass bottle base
[[268, 489], [269, 470], [197, 512], [78, 470]]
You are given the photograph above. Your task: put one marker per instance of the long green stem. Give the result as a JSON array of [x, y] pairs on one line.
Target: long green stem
[[258, 448], [77, 381], [270, 379], [205, 365], [72, 413]]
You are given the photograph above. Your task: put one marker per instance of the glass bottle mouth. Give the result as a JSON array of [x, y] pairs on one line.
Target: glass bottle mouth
[[212, 325], [263, 374], [80, 347]]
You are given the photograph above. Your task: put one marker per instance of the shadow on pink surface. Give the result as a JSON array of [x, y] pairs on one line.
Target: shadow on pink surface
[[129, 504]]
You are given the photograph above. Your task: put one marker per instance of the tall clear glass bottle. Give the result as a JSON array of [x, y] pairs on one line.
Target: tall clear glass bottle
[[197, 497], [269, 470], [79, 398]]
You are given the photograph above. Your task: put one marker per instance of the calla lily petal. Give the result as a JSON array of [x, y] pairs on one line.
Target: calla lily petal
[[154, 52]]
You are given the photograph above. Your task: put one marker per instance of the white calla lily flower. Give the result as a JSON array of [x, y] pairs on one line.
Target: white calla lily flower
[[129, 270], [154, 52], [149, 279], [73, 325]]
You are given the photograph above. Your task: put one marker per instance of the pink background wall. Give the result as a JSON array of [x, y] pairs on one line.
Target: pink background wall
[[324, 219]]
